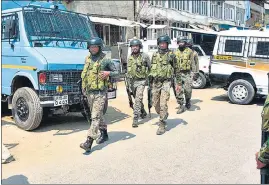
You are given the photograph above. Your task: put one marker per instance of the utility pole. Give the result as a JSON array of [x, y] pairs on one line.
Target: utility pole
[[134, 4], [153, 23]]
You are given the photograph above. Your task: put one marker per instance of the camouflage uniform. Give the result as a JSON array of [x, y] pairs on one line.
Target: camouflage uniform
[[161, 72], [263, 155], [195, 65], [96, 89], [137, 73], [185, 64]]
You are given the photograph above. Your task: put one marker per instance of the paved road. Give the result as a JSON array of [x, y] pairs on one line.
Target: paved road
[[214, 142]]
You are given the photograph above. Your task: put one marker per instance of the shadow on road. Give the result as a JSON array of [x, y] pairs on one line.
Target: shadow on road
[[259, 101], [11, 145], [173, 123], [195, 107], [75, 122], [153, 115], [16, 179], [113, 138]]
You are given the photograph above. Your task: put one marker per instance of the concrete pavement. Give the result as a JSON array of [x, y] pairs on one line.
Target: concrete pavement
[[214, 142]]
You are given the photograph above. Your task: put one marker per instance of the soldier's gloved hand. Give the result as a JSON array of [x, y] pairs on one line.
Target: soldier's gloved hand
[[258, 162], [104, 74]]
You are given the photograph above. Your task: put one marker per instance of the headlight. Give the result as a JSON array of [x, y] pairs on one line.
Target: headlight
[[55, 77]]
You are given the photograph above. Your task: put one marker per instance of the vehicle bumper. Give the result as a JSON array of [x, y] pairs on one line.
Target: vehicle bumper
[[48, 101]]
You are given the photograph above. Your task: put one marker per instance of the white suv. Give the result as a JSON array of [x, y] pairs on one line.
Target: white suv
[[204, 61]]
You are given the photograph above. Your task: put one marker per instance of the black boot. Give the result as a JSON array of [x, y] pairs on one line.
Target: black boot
[[135, 123], [143, 114], [188, 103], [181, 109], [87, 145], [162, 128], [103, 137]]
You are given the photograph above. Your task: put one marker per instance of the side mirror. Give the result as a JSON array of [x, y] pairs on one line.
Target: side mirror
[[10, 28]]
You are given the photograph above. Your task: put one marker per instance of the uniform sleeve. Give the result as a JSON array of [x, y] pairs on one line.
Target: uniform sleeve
[[196, 62], [111, 67], [85, 68], [84, 72], [193, 66], [263, 155]]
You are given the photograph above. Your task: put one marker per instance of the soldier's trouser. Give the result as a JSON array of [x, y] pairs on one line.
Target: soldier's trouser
[[138, 106], [96, 102], [160, 97], [186, 88]]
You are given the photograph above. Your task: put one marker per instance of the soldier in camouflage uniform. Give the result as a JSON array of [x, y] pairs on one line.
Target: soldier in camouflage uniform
[[160, 76], [137, 72], [262, 157], [97, 70], [185, 64], [195, 64]]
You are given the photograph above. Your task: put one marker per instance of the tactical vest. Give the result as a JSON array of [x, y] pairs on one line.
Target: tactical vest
[[265, 116], [183, 59], [137, 67], [92, 81], [160, 66]]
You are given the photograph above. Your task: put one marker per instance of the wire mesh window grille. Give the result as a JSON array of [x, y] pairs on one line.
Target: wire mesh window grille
[[5, 32], [231, 45], [57, 24], [259, 47]]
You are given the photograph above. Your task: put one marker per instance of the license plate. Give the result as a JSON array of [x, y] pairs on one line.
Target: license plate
[[111, 95], [60, 100]]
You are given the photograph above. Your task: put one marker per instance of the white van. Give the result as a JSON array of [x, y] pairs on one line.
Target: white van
[[240, 64]]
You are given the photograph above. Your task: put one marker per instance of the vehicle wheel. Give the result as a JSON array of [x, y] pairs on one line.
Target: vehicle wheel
[[200, 83], [241, 92], [26, 109]]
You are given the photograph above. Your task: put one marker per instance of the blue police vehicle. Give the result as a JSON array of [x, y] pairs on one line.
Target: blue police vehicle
[[43, 52]]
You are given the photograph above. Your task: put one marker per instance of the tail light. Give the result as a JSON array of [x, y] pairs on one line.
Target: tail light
[[42, 78]]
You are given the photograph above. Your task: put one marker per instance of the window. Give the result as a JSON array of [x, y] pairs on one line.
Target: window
[[198, 51], [262, 48], [258, 47], [229, 12], [234, 46], [240, 15], [216, 9], [5, 32], [231, 45], [199, 7]]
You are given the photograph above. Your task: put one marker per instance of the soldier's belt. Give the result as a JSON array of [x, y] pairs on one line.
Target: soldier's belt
[[185, 71], [156, 79]]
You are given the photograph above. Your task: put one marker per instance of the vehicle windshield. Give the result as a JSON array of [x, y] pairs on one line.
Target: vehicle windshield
[[53, 25]]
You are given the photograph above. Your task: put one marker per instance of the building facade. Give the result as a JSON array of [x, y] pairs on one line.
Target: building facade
[[102, 12], [197, 14], [257, 11]]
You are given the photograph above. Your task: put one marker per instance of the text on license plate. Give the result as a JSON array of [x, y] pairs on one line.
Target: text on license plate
[[60, 100]]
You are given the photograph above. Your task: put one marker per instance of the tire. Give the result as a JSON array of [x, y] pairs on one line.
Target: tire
[[35, 112], [241, 92], [200, 83]]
